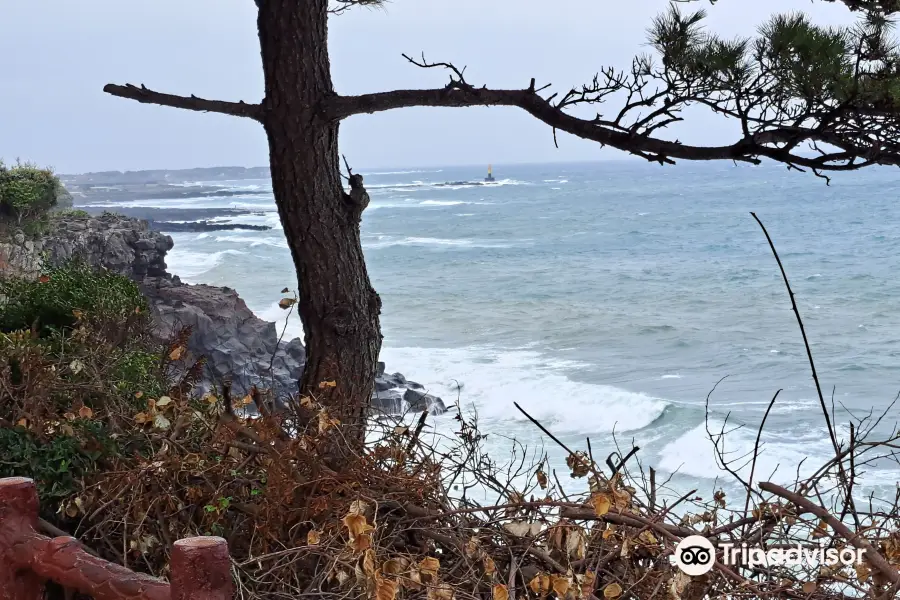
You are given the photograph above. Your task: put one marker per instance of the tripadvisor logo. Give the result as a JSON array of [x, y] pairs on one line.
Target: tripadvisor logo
[[696, 555]]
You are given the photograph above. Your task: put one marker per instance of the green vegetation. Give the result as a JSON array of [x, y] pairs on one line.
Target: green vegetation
[[27, 192], [76, 362]]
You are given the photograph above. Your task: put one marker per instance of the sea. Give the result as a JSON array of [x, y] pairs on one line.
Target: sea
[[618, 303]]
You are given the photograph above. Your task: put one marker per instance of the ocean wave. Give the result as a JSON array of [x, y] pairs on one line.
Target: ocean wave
[[442, 202], [693, 454], [385, 241], [492, 380], [190, 265], [206, 201], [253, 241], [403, 172], [445, 185]]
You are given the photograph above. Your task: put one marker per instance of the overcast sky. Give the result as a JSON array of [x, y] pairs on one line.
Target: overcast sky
[[58, 55]]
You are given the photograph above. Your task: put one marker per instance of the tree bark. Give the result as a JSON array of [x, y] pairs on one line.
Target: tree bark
[[338, 307]]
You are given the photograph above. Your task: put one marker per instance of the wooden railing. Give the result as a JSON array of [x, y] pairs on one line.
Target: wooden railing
[[200, 566]]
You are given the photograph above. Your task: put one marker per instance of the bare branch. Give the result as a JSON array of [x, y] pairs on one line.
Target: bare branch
[[146, 96]]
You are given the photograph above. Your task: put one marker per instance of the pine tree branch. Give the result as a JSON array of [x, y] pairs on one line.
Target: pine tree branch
[[748, 149], [146, 96]]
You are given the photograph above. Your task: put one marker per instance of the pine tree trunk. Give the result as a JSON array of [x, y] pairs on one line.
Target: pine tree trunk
[[337, 305]]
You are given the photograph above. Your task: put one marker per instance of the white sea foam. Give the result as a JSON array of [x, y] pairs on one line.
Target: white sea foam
[[386, 241], [441, 202], [693, 454], [205, 201], [671, 376], [189, 266], [253, 241], [403, 172], [493, 379]]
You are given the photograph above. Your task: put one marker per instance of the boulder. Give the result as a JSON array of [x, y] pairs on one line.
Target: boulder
[[420, 402], [237, 345], [390, 402]]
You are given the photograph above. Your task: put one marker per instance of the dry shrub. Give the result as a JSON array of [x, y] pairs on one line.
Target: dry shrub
[[307, 512]]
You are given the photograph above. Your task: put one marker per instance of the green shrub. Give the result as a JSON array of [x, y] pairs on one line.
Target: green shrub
[[57, 464], [53, 302], [77, 364], [27, 191]]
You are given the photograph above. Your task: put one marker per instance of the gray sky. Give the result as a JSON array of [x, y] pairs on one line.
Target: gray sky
[[58, 55]]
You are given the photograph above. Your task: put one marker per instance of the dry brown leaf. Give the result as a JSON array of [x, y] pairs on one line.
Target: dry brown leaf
[[361, 542], [560, 585], [579, 463], [394, 566], [575, 543], [862, 571], [609, 532], [601, 503], [489, 566], [163, 401], [413, 580], [327, 384], [385, 589], [176, 353], [142, 418], [648, 538], [85, 412], [285, 291], [540, 584], [356, 524], [809, 587], [440, 592], [501, 592], [368, 563], [613, 590], [286, 303], [44, 279], [473, 548], [719, 497], [821, 530], [313, 537], [326, 422], [429, 567], [542, 479], [587, 583]]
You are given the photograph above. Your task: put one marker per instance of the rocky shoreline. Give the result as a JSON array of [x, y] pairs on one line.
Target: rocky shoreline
[[237, 345]]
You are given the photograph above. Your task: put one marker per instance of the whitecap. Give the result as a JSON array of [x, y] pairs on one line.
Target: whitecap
[[190, 265], [492, 379], [441, 202], [389, 241]]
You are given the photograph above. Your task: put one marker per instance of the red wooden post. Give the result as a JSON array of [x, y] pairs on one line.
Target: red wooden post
[[201, 570], [18, 516]]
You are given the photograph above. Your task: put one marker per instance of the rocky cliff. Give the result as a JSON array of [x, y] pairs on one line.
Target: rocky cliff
[[237, 345]]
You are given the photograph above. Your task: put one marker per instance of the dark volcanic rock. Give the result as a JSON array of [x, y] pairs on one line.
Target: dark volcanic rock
[[237, 345], [168, 226], [390, 402], [114, 242], [420, 401]]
